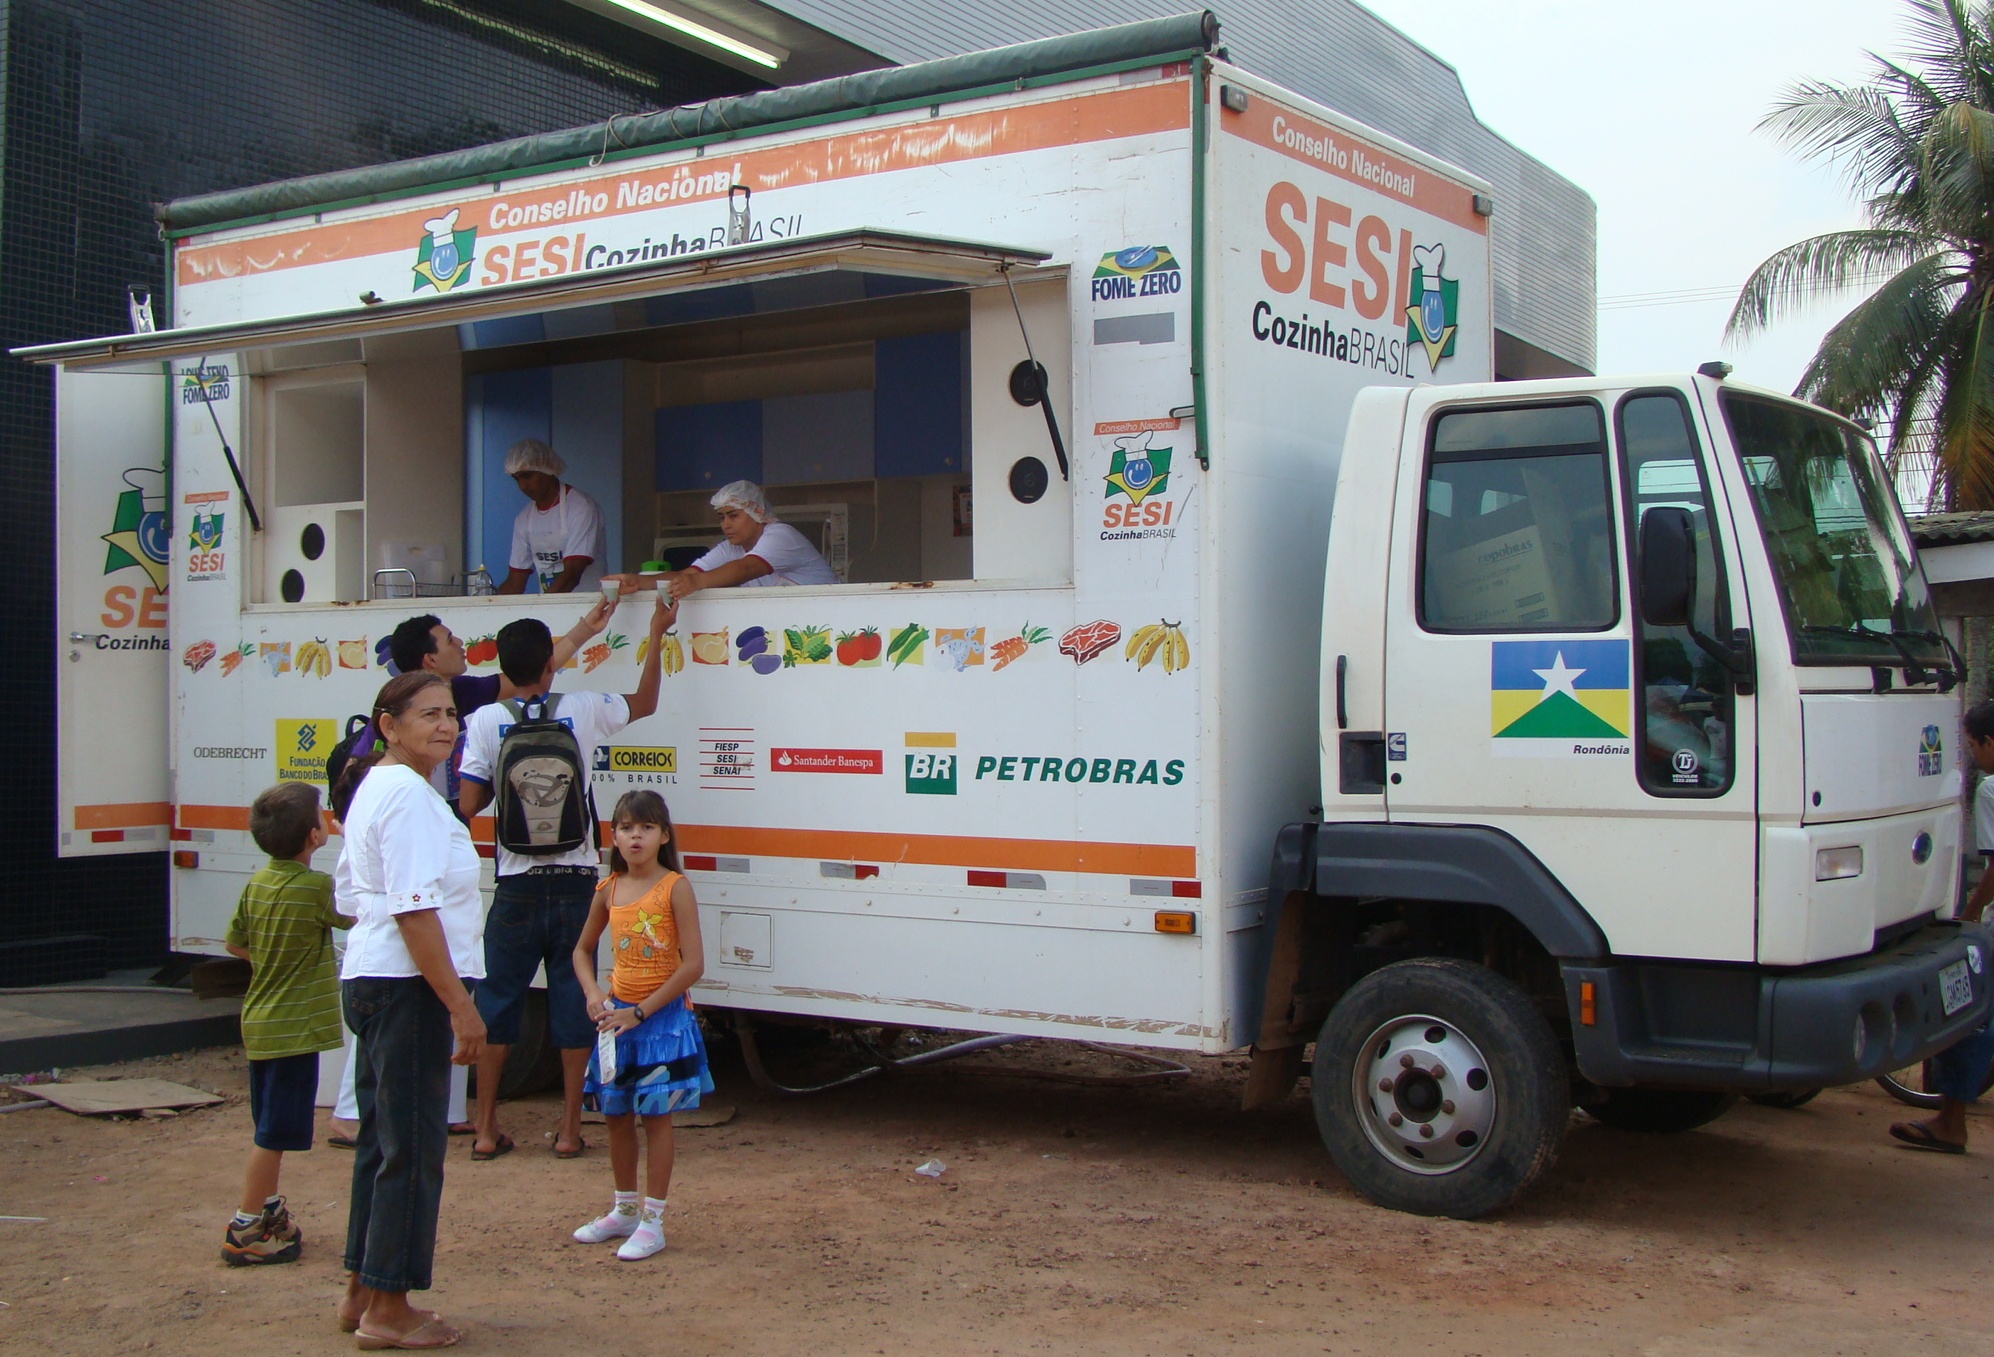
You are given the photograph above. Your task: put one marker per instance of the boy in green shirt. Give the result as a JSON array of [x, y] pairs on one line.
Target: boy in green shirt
[[283, 928]]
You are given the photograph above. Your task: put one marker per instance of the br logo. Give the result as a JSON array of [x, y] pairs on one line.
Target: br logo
[[1432, 319], [931, 772], [444, 259]]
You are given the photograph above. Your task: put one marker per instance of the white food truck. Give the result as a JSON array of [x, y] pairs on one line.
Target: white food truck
[[1051, 352]]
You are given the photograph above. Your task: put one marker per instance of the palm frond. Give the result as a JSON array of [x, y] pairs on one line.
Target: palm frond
[[1966, 414], [1865, 359], [1835, 262], [1857, 126]]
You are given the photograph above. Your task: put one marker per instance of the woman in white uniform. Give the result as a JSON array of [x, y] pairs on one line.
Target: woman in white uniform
[[759, 549], [558, 538]]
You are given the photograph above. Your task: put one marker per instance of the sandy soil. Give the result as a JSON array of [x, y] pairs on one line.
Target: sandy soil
[[1154, 1220]]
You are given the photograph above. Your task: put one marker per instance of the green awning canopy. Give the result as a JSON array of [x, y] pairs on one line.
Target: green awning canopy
[[1158, 39]]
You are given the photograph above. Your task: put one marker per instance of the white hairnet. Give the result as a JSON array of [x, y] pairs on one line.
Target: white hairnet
[[530, 454], [747, 497]]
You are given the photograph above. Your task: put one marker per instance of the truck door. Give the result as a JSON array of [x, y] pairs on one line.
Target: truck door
[[1530, 696], [113, 533]]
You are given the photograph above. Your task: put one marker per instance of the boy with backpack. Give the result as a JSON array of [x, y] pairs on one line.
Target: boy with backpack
[[283, 928], [531, 754]]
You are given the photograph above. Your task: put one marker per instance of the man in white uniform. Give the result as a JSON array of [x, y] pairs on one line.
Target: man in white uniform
[[558, 538], [759, 551]]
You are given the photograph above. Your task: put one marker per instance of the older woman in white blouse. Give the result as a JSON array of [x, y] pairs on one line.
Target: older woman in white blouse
[[409, 875]]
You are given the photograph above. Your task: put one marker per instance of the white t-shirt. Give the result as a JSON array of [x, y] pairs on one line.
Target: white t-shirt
[[791, 558], [543, 538], [405, 851], [1983, 818], [594, 717]]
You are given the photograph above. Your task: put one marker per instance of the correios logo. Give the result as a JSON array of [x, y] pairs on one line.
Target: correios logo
[[1436, 303], [444, 259], [1138, 271]]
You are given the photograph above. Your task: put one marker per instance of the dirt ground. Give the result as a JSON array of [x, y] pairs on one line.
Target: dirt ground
[[1149, 1220]]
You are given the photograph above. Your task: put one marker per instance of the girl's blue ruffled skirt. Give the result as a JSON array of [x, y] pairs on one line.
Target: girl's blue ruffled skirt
[[660, 1066]]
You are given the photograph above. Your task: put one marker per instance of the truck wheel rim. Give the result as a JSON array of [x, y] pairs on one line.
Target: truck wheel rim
[[1424, 1095]]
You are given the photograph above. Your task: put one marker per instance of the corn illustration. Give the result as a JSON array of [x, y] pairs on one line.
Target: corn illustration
[[1162, 640]]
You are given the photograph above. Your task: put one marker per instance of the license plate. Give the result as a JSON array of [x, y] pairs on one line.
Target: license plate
[[1955, 990]]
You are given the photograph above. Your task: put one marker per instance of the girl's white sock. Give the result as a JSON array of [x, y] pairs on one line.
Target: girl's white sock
[[649, 1236]]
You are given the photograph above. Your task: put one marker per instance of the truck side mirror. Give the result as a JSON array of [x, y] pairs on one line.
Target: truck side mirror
[[1668, 566]]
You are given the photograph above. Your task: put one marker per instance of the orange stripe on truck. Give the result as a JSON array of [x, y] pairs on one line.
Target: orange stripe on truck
[[129, 815], [1106, 116]]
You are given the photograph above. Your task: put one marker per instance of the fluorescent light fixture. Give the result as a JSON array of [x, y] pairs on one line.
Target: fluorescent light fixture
[[712, 37]]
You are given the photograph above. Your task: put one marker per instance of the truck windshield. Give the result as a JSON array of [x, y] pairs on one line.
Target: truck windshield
[[1851, 590]]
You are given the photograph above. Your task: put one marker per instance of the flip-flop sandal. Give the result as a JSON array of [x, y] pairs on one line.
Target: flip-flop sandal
[[503, 1145], [463, 1128], [1919, 1137], [431, 1333], [581, 1147], [340, 1142], [353, 1325]]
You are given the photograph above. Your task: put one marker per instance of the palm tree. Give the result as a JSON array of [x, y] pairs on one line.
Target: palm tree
[[1916, 144]]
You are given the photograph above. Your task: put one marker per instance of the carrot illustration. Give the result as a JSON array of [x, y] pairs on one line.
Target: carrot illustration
[[593, 657], [1012, 647]]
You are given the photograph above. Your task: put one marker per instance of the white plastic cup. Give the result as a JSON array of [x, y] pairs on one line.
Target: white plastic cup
[[610, 589]]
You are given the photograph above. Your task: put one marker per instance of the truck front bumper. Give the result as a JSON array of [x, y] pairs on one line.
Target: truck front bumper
[[1749, 1028]]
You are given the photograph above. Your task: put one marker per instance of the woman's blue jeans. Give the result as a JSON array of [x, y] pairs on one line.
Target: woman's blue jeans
[[402, 1081]]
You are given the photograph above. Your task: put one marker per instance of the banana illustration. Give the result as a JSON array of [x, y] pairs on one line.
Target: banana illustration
[[1162, 640], [1138, 639], [314, 658], [644, 648], [674, 657]]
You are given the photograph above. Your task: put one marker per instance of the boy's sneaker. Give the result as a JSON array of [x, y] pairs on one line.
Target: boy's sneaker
[[614, 1225], [271, 1238]]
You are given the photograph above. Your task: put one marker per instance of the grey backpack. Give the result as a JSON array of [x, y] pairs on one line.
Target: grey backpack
[[542, 801]]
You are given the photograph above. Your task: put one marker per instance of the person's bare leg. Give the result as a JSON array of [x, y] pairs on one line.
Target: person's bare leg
[[574, 1068], [353, 1305], [623, 1152], [658, 1150], [259, 1179], [491, 1064]]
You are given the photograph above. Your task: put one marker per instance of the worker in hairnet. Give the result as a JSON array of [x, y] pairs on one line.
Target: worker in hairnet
[[759, 550], [557, 538]]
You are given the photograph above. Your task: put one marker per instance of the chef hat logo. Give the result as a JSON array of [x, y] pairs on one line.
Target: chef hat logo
[[1430, 259], [441, 228]]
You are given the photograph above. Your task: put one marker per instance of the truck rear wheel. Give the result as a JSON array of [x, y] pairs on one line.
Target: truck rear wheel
[[1660, 1111], [1439, 1089]]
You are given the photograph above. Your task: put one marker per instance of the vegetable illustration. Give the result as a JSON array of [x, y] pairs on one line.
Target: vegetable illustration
[[353, 654], [805, 645], [314, 658], [906, 644], [765, 663], [709, 647], [1160, 638], [197, 656], [752, 642], [1014, 647], [597, 655], [381, 655], [1089, 639], [484, 650], [276, 656], [860, 648], [232, 658]]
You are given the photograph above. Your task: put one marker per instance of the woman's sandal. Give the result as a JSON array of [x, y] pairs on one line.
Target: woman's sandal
[[1921, 1137], [353, 1325], [431, 1333], [503, 1145]]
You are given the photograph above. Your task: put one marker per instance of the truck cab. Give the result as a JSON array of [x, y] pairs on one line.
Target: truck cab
[[1640, 780]]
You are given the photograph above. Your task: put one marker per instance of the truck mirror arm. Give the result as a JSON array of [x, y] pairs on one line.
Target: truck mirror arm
[[1739, 658]]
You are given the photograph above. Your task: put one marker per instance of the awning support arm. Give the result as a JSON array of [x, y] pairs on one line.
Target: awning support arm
[[1039, 372], [228, 453]]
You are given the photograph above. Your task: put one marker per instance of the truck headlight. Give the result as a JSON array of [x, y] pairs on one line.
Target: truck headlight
[[1837, 864]]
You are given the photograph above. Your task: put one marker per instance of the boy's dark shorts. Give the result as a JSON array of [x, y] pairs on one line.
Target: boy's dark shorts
[[535, 921], [283, 1093]]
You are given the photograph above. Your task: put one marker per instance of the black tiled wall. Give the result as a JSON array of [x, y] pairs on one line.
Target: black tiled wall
[[108, 106]]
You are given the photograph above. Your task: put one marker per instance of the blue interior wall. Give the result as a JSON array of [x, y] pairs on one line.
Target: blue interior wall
[[577, 409]]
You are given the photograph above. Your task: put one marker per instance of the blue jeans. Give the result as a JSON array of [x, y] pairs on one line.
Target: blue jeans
[[536, 919], [401, 1079], [1961, 1068]]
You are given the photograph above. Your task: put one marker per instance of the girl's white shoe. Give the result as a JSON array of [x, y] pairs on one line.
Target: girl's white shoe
[[617, 1224], [647, 1239]]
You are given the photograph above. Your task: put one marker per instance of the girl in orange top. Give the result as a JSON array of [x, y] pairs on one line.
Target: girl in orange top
[[655, 957]]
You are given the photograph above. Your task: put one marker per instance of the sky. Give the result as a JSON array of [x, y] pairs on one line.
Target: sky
[[1652, 109]]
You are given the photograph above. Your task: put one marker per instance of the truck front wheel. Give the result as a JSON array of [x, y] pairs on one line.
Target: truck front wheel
[[1439, 1089]]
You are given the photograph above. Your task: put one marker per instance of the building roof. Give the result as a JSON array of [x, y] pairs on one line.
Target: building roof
[[1952, 530]]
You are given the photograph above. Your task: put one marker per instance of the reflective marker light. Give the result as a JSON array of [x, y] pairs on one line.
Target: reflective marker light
[[184, 858], [1837, 864], [1588, 1004], [1176, 921]]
